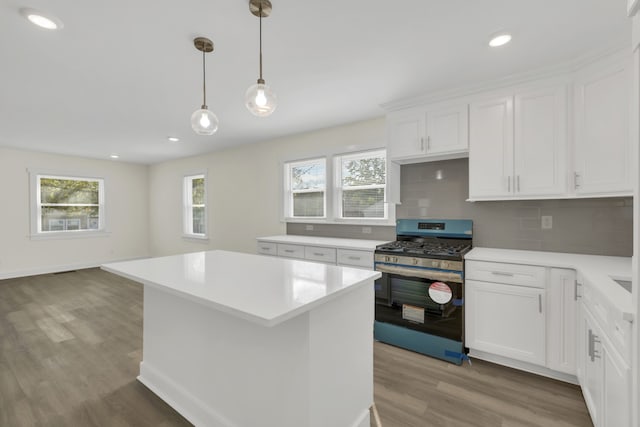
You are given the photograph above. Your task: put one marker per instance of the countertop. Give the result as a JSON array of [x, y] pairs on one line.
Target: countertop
[[329, 242], [597, 269], [265, 290]]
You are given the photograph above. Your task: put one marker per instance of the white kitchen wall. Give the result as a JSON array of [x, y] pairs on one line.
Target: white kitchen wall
[[243, 187], [126, 192]]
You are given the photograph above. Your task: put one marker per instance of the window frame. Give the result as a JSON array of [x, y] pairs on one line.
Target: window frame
[[36, 205], [187, 206], [289, 192]]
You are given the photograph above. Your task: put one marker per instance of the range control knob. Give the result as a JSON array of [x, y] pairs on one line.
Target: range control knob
[[415, 261]]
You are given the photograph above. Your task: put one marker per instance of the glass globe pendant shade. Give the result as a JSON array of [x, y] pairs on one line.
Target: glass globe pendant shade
[[204, 122], [261, 100]]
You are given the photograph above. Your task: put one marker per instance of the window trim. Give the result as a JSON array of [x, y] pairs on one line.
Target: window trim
[[287, 203], [36, 232], [187, 207]]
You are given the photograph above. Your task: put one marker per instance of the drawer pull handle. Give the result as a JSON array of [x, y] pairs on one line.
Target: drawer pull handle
[[502, 273], [318, 254], [289, 251], [265, 248], [354, 258]]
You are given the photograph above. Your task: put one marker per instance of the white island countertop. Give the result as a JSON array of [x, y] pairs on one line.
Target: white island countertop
[[599, 270], [265, 290], [329, 242]]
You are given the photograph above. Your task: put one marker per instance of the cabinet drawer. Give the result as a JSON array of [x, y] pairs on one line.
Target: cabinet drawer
[[511, 274], [316, 253], [291, 251], [267, 248], [355, 258]]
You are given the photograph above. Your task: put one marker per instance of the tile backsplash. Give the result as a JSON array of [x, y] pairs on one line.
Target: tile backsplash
[[439, 190], [601, 226]]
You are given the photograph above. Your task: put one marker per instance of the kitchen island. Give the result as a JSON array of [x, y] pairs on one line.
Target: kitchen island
[[239, 340]]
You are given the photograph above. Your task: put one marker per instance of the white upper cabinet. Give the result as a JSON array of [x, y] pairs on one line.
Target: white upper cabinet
[[427, 133], [518, 145], [491, 148], [602, 149], [540, 142], [448, 130], [405, 134]]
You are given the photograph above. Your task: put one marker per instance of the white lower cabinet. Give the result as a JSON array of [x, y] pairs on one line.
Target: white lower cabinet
[[324, 254], [562, 296], [604, 376], [522, 313], [507, 320]]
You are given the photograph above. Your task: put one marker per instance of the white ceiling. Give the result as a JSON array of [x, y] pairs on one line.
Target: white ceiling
[[123, 75]]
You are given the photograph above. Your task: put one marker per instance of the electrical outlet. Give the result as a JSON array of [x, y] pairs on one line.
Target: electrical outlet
[[547, 222], [309, 227], [366, 230]]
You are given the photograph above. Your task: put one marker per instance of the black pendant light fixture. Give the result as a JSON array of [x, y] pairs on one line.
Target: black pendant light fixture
[[203, 121], [260, 99]]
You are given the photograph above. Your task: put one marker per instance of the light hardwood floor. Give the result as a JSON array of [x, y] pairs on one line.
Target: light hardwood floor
[[70, 345]]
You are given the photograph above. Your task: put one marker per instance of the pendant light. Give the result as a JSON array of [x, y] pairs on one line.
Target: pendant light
[[259, 99], [203, 121]]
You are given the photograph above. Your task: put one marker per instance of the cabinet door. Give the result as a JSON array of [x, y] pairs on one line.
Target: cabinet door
[[448, 130], [602, 149], [541, 142], [592, 384], [561, 325], [617, 389], [506, 320], [491, 148], [405, 134]]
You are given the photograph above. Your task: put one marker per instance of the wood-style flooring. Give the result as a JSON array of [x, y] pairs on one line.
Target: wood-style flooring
[[70, 345]]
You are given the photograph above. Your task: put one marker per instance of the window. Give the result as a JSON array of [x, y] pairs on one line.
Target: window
[[68, 204], [195, 206], [361, 183], [305, 189], [360, 194]]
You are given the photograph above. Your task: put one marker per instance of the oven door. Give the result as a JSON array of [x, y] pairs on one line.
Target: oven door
[[429, 301]]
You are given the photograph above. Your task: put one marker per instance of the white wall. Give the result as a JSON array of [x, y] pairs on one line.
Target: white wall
[[244, 187], [126, 195]]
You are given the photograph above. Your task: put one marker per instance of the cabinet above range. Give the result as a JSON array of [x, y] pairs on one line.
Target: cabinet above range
[[433, 132]]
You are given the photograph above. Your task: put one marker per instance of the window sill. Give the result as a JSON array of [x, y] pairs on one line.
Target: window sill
[[60, 235], [196, 238]]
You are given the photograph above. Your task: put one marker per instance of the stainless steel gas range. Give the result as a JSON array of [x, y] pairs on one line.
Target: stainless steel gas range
[[420, 296]]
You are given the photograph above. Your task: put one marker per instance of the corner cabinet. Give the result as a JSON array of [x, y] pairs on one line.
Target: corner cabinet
[[426, 133], [604, 372], [518, 145], [602, 131]]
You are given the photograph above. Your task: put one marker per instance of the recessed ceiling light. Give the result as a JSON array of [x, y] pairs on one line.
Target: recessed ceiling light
[[42, 20], [500, 40], [173, 139], [114, 156]]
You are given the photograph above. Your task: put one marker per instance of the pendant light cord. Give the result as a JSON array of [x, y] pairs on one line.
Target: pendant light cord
[[260, 40], [204, 82]]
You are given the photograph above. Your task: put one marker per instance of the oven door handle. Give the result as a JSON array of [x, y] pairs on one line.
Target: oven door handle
[[445, 276]]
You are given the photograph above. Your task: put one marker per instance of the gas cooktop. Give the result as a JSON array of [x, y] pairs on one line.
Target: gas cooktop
[[438, 248]]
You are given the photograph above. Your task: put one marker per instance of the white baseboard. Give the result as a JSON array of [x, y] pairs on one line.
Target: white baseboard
[[57, 268]]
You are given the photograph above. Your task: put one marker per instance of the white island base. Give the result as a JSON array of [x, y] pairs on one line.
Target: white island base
[[218, 370]]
